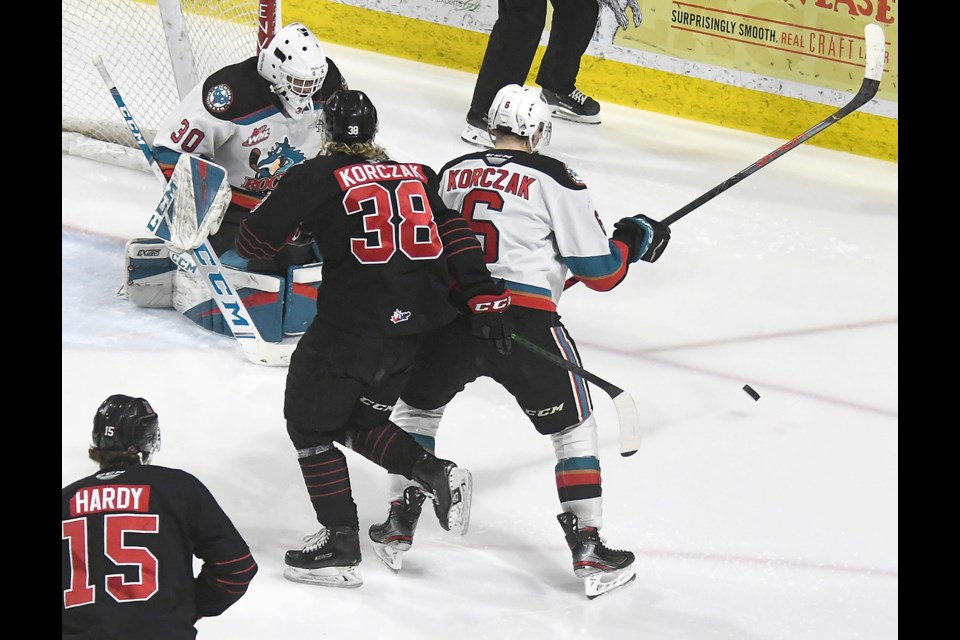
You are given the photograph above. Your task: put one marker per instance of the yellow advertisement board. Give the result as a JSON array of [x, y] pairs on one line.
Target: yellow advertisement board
[[815, 42]]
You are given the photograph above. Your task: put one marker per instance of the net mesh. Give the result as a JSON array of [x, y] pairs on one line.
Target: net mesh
[[129, 36]]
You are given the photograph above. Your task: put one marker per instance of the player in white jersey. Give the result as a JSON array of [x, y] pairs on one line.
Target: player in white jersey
[[537, 223], [257, 119]]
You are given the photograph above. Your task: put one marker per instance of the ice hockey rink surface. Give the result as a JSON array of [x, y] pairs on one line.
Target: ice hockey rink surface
[[774, 519]]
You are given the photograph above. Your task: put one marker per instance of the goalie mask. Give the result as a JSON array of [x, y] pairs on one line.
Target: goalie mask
[[295, 65], [522, 112], [349, 117], [126, 424]]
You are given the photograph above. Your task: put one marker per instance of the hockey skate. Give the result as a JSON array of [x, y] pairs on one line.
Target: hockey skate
[[450, 488], [576, 106], [476, 132], [329, 558], [394, 537], [601, 568]]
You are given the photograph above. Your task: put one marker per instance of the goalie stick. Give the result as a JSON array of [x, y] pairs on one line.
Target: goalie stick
[[627, 414], [128, 119], [182, 261], [875, 46], [205, 260]]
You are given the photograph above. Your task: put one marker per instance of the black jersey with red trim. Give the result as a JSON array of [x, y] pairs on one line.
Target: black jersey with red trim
[[129, 539], [390, 246]]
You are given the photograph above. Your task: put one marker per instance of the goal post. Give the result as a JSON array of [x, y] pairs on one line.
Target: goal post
[[156, 51]]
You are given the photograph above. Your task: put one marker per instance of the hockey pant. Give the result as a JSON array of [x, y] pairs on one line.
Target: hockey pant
[[556, 402]]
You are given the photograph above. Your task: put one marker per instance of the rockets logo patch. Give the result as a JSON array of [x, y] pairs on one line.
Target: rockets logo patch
[[219, 98]]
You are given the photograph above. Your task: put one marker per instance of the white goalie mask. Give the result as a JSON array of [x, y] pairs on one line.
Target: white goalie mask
[[523, 112], [295, 65]]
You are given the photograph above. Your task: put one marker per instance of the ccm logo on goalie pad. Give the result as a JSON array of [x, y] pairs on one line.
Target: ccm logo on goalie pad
[[220, 287]]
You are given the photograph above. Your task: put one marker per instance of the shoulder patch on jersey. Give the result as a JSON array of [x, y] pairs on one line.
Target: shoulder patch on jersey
[[573, 175], [219, 98]]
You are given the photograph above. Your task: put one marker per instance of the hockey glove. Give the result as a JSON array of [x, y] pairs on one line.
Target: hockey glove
[[303, 238], [489, 321], [645, 237]]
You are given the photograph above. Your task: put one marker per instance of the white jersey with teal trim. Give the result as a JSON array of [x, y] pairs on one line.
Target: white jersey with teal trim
[[535, 219]]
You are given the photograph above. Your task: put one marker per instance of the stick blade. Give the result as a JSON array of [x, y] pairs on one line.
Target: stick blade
[[875, 51], [629, 419]]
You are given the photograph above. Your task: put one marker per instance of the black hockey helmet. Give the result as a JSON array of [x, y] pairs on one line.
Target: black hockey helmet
[[123, 423], [350, 117]]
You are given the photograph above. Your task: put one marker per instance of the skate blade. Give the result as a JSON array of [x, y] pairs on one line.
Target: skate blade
[[461, 488], [477, 137], [607, 581], [573, 117], [391, 554], [343, 577]]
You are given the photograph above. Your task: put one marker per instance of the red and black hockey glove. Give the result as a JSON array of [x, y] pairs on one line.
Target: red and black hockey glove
[[490, 322]]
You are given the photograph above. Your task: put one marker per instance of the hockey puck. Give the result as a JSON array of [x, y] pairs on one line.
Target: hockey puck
[[750, 392]]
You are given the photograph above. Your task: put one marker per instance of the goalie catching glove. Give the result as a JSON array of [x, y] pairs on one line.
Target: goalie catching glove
[[489, 321], [645, 237]]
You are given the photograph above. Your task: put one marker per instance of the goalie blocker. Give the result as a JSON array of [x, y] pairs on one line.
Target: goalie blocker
[[279, 307]]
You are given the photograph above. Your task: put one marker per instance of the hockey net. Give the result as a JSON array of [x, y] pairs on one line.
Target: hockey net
[[146, 63]]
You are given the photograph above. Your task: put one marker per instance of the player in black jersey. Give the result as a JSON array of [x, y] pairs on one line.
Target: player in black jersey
[[391, 248], [130, 533]]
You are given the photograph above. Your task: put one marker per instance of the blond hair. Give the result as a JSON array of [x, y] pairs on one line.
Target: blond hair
[[367, 150]]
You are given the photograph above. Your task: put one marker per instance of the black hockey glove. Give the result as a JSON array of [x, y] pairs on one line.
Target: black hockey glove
[[490, 322], [646, 237]]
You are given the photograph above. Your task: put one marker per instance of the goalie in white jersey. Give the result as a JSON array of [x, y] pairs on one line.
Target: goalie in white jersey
[[257, 119], [537, 224]]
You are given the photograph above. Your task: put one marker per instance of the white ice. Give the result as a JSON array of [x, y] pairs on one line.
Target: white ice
[[774, 519]]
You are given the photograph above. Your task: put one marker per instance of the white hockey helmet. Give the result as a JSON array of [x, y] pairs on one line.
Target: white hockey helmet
[[523, 112], [295, 64]]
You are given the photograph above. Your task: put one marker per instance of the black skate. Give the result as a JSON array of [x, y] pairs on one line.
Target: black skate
[[602, 569], [576, 106], [394, 537], [329, 558], [451, 489], [476, 132]]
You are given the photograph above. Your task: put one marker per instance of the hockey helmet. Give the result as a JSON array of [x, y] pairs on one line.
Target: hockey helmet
[[295, 65], [123, 423], [523, 112], [350, 117]]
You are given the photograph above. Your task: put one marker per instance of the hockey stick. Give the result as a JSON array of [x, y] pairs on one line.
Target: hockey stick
[[205, 192], [128, 118], [183, 262], [875, 49], [623, 402], [875, 46]]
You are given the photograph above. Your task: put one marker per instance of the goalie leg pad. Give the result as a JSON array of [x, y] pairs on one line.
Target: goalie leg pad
[[149, 281], [300, 301], [261, 294]]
